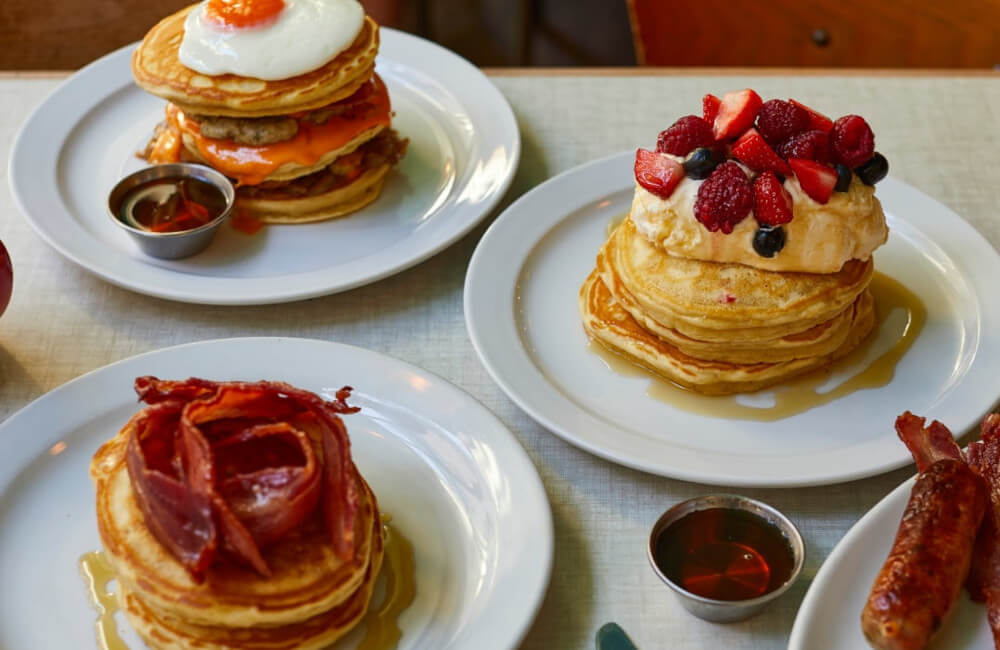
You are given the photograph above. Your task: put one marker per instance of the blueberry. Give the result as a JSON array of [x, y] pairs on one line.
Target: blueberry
[[701, 162], [874, 170], [768, 240], [843, 178]]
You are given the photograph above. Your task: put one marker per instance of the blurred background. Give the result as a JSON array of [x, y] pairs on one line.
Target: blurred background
[[66, 34]]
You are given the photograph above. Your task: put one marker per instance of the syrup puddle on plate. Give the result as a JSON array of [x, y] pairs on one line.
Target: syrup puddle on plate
[[382, 622], [899, 317]]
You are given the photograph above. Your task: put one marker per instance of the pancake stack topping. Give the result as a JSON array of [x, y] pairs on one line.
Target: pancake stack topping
[[279, 95], [233, 516], [746, 255]]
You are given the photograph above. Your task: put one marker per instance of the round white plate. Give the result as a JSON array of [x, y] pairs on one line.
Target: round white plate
[[521, 310], [464, 148], [454, 479], [830, 614]]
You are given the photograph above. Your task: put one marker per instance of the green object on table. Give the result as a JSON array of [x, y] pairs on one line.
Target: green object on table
[[612, 637]]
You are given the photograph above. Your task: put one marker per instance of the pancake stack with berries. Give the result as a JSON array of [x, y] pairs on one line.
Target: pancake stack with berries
[[747, 254]]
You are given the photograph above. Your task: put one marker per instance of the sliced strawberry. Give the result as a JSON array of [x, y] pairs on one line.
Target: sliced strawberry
[[755, 153], [817, 180], [817, 121], [772, 204], [658, 173], [710, 107], [737, 112]]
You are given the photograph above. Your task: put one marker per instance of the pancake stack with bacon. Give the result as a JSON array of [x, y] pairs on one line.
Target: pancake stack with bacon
[[310, 147], [233, 516]]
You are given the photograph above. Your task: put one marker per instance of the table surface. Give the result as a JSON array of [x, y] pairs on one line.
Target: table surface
[[941, 133]]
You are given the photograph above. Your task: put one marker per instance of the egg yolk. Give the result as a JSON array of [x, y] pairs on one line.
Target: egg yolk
[[243, 13]]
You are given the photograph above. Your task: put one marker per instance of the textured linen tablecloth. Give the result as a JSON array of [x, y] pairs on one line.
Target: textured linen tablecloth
[[940, 134]]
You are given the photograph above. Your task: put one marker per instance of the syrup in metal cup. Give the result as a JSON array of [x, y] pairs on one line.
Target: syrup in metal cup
[[173, 210], [726, 557]]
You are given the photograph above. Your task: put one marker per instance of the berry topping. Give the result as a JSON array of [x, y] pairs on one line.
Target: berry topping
[[852, 141], [685, 135], [779, 120], [724, 199], [752, 151], [811, 145], [843, 178], [817, 180], [874, 170], [736, 114], [701, 162], [772, 205], [817, 121], [767, 241], [710, 107], [657, 173]]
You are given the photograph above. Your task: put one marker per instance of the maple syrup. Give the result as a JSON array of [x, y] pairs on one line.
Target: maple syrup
[[724, 554], [383, 630], [806, 392], [97, 571]]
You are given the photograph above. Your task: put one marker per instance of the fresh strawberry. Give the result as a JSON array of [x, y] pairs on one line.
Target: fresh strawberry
[[817, 121], [811, 145], [817, 180], [736, 114], [756, 154], [772, 204], [724, 199], [779, 120], [657, 173], [685, 135], [710, 107], [852, 141]]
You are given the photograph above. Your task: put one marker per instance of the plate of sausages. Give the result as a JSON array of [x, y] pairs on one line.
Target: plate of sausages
[[922, 568]]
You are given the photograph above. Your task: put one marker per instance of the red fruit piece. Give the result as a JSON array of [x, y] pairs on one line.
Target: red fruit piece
[[817, 180], [710, 107], [779, 120], [753, 152], [657, 173], [817, 121], [685, 135], [736, 114], [852, 141], [772, 204], [724, 199], [811, 145]]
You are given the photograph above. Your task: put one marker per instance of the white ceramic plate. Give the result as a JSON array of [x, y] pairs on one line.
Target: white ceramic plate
[[830, 614], [521, 310], [464, 149], [454, 479]]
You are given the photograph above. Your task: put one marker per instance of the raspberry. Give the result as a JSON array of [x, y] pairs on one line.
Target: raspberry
[[685, 135], [811, 145], [852, 141], [779, 120], [724, 199], [772, 205]]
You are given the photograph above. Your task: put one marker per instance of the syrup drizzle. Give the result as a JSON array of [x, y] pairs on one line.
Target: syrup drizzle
[[97, 571], [804, 393]]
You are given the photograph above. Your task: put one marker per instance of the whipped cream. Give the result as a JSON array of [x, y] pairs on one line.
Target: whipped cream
[[305, 36], [819, 239]]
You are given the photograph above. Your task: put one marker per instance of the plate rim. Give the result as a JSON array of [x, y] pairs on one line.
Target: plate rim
[[477, 284], [525, 604], [239, 291]]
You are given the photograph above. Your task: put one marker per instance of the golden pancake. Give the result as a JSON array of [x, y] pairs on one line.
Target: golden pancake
[[157, 70], [163, 632], [711, 301], [335, 203], [307, 578], [612, 326]]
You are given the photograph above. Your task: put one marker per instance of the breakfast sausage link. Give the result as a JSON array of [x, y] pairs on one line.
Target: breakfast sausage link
[[923, 575]]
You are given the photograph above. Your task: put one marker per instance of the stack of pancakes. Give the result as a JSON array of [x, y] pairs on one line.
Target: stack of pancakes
[[311, 599], [307, 148]]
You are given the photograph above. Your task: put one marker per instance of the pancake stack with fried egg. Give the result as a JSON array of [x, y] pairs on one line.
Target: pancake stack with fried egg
[[746, 257], [279, 95], [233, 517]]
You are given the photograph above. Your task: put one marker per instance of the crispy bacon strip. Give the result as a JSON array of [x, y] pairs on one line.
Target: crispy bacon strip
[[255, 458], [926, 445], [983, 583]]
